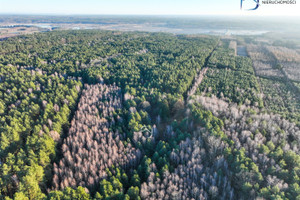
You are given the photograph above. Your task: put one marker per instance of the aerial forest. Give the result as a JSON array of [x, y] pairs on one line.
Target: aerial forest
[[92, 115]]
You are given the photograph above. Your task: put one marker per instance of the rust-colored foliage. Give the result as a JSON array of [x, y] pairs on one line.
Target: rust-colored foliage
[[91, 146]]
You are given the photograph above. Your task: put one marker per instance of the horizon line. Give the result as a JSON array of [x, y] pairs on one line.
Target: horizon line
[[156, 15]]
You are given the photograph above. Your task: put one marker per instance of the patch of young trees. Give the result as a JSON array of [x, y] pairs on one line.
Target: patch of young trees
[[279, 98], [236, 81], [264, 62]]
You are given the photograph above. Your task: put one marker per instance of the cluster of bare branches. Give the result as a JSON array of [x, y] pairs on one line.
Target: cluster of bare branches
[[292, 70], [284, 54], [258, 52], [266, 69], [246, 118], [259, 133], [198, 162], [198, 80], [269, 60], [91, 145], [264, 62], [288, 59]]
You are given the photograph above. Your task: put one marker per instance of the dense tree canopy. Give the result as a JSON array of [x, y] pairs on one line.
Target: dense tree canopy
[[132, 115]]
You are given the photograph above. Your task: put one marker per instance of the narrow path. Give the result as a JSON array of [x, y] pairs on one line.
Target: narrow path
[[197, 82], [199, 77], [107, 58], [100, 59]]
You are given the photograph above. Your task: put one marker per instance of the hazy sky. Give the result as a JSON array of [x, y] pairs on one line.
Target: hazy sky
[[146, 7]]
